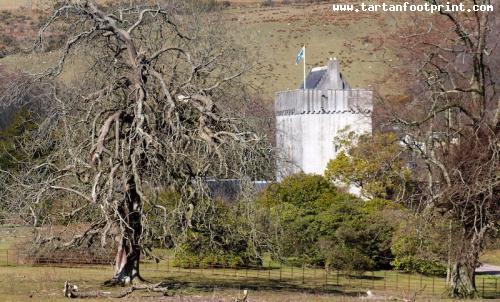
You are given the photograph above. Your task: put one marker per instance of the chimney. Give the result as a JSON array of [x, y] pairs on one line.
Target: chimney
[[335, 82]]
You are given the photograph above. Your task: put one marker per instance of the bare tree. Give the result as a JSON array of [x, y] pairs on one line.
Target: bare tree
[[150, 115], [452, 125]]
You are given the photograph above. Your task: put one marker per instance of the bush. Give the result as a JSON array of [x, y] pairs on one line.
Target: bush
[[323, 226], [222, 238], [414, 264], [418, 246], [189, 260], [348, 259]]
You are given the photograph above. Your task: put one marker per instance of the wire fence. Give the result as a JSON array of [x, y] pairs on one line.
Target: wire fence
[[273, 276]]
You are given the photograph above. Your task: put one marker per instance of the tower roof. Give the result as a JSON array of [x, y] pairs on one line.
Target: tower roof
[[326, 77], [314, 77]]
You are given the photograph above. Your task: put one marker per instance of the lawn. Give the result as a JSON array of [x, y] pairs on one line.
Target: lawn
[[44, 283], [272, 282]]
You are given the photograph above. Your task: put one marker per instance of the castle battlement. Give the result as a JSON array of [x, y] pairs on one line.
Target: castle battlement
[[307, 121], [323, 101]]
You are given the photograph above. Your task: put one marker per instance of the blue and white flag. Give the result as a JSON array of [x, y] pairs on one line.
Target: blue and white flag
[[300, 55]]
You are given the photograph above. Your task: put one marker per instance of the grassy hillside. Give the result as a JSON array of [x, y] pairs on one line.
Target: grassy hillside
[[491, 257], [277, 33], [13, 4]]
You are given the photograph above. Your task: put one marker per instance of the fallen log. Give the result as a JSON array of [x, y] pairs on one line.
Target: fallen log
[[71, 291]]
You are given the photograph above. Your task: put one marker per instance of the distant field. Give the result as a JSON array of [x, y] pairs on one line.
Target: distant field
[[491, 257], [13, 4], [277, 33]]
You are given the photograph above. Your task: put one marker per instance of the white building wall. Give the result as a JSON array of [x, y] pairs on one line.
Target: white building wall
[[308, 122]]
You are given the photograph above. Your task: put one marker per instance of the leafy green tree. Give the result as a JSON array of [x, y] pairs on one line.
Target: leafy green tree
[[422, 246], [316, 222], [373, 163], [224, 240]]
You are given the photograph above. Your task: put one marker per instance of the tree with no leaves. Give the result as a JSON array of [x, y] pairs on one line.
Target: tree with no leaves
[[452, 126], [149, 115]]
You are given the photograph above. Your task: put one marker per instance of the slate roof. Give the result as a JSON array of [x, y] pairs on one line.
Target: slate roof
[[313, 78]]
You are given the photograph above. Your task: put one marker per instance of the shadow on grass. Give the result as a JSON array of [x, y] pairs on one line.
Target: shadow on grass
[[363, 277], [208, 285]]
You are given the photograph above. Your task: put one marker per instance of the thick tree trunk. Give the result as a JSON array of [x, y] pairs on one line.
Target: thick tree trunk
[[126, 263], [462, 280], [129, 249]]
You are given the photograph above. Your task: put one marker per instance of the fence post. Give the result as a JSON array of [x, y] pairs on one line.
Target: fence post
[[326, 277], [496, 279], [483, 288], [397, 279], [385, 280], [168, 264], [373, 279], [433, 277], [338, 278], [409, 282], [269, 270], [7, 259], [292, 271], [281, 264], [303, 280]]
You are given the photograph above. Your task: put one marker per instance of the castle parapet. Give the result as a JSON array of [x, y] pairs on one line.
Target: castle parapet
[[323, 101]]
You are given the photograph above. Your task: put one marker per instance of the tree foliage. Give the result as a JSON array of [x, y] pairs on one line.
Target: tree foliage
[[316, 222], [422, 246], [376, 164]]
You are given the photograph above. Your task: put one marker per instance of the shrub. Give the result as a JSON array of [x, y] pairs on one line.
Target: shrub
[[415, 264], [323, 226], [418, 246], [223, 238]]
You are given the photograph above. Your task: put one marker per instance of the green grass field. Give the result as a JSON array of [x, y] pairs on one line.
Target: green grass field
[[44, 283], [273, 282]]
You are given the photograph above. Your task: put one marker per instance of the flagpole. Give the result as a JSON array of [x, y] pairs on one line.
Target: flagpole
[[304, 67]]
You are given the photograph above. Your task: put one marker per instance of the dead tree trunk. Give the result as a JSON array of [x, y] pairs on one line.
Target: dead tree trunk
[[129, 251], [462, 281]]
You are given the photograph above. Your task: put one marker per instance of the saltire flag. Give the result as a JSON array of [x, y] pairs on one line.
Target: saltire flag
[[300, 55]]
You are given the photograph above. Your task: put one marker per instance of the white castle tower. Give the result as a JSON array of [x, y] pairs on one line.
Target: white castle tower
[[307, 121]]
